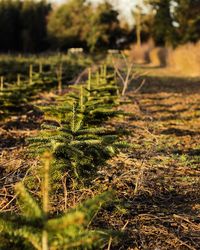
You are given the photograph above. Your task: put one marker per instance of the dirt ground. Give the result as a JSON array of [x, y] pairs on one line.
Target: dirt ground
[[157, 182]]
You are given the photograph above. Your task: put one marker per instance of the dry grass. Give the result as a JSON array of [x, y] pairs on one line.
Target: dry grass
[[186, 59], [164, 212]]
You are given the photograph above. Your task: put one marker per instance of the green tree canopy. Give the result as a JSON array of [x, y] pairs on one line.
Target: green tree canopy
[[104, 30], [78, 23], [175, 21], [66, 24], [187, 17], [163, 30]]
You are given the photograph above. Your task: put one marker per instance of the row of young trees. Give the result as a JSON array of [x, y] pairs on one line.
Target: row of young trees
[[74, 143], [34, 26]]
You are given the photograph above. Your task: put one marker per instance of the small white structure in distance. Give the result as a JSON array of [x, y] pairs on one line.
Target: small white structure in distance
[[75, 50], [113, 51]]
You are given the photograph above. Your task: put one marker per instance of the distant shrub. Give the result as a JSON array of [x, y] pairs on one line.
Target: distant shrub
[[185, 59]]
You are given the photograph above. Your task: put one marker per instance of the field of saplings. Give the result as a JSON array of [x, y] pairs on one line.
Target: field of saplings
[[97, 153]]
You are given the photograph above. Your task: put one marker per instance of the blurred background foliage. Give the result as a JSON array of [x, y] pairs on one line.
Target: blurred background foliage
[[32, 26]]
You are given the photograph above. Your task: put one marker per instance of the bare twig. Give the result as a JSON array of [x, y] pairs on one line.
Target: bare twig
[[141, 85], [129, 74]]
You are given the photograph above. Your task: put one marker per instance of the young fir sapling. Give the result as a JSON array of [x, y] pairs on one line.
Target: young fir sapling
[[34, 227]]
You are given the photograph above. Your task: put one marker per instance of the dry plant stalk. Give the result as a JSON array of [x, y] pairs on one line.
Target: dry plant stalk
[[128, 75]]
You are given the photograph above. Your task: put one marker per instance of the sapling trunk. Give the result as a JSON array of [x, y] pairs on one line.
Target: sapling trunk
[[73, 119]]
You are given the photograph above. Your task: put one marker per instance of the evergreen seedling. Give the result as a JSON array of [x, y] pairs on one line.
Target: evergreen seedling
[[97, 100], [36, 228], [76, 147]]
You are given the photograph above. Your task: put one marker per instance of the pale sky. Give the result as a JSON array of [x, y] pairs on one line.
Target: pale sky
[[125, 6]]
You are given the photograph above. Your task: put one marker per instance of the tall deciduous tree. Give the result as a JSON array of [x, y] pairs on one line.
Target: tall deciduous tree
[[143, 27]]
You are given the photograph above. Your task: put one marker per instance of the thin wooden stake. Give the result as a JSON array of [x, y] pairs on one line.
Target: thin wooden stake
[[102, 71], [40, 67], [45, 198], [18, 79], [45, 189], [2, 82], [97, 78], [89, 81], [31, 74], [89, 78], [59, 77], [105, 71], [81, 98]]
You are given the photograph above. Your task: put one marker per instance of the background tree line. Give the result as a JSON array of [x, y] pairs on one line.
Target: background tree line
[[174, 21], [35, 26], [23, 25]]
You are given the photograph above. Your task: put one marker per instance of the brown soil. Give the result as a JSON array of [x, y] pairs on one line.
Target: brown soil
[[156, 182]]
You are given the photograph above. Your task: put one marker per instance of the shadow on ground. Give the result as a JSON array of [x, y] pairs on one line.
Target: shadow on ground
[[155, 84]]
